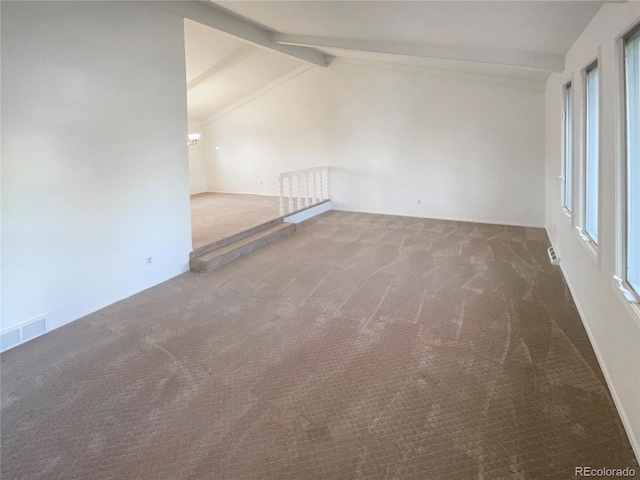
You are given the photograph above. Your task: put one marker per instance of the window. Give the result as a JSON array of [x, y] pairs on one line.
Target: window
[[632, 164], [567, 176], [591, 155]]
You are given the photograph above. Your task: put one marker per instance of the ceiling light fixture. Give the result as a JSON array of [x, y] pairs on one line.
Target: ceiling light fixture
[[193, 138]]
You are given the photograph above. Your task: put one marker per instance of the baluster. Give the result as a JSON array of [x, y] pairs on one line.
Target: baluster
[[316, 191], [290, 194], [306, 189], [299, 192], [321, 189], [328, 183], [281, 186]]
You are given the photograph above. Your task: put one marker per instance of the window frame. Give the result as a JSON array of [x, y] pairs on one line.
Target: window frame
[[625, 292], [592, 247], [568, 102]]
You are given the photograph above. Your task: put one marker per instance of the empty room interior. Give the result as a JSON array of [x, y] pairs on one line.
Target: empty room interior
[[320, 239]]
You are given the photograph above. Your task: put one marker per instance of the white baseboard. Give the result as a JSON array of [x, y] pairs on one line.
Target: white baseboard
[[635, 445], [240, 193], [451, 219]]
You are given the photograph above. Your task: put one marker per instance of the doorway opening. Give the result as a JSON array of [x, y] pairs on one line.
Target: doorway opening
[[230, 197]]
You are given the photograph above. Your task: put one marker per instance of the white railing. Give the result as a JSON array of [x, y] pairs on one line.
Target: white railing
[[308, 187]]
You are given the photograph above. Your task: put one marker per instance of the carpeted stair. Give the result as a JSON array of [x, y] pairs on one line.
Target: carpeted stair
[[223, 251]]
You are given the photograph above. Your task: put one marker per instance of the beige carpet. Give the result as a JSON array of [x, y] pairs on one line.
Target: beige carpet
[[363, 346], [215, 216]]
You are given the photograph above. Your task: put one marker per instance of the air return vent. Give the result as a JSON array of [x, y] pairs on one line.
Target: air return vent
[[34, 329], [23, 333], [9, 340], [553, 256]]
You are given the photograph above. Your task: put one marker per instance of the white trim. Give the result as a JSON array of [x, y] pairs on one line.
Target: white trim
[[239, 193], [616, 400], [568, 93], [450, 219], [626, 293], [626, 290], [589, 245], [632, 308], [620, 202], [308, 213], [592, 247], [293, 173]]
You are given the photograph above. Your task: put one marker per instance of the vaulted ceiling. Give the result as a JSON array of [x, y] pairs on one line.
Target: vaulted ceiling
[[521, 33], [243, 48], [223, 71]]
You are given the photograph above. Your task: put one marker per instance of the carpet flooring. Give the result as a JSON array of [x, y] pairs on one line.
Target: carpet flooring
[[215, 216], [361, 347]]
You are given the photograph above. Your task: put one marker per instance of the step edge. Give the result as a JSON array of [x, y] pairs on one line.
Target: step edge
[[200, 264], [252, 238], [223, 242]]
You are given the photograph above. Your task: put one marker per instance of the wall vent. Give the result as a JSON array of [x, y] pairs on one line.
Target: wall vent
[[34, 329], [9, 340], [553, 256], [23, 333]]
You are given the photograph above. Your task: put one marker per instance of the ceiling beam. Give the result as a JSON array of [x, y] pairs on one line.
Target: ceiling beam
[[224, 64], [214, 17], [544, 61]]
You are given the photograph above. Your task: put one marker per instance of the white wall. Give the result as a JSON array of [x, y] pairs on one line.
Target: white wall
[[197, 165], [469, 147], [614, 333], [94, 156]]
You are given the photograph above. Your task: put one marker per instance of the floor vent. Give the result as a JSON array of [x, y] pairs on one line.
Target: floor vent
[[553, 256], [23, 333]]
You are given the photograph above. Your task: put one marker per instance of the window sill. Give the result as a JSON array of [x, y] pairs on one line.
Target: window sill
[[590, 246], [632, 308]]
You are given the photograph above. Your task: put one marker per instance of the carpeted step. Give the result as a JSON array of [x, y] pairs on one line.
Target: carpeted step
[[223, 255], [198, 252]]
